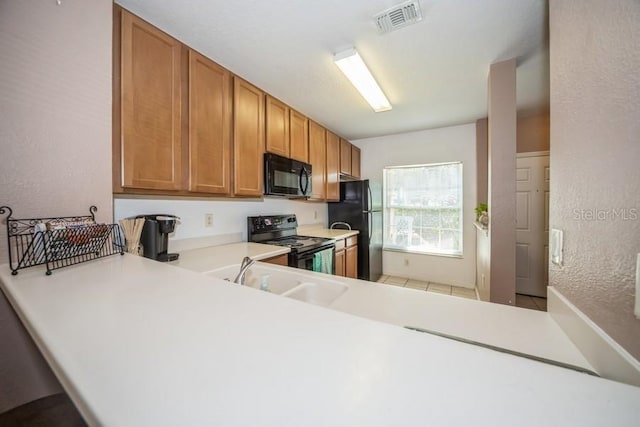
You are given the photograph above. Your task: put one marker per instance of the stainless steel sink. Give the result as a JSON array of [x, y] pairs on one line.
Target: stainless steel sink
[[279, 281], [286, 282]]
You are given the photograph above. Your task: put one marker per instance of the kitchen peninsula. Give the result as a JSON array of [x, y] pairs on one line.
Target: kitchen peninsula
[[137, 342]]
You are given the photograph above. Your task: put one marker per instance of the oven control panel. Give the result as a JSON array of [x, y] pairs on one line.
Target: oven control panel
[[266, 224]]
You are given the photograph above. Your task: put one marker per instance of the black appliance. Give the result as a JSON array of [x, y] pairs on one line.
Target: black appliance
[[281, 230], [286, 177], [360, 207], [155, 236]]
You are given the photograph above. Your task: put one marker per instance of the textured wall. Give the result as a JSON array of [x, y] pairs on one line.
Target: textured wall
[[55, 108], [55, 142], [502, 180], [595, 158], [450, 144]]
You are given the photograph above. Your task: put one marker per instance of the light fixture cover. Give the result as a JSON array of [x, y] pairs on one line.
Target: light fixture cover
[[352, 65]]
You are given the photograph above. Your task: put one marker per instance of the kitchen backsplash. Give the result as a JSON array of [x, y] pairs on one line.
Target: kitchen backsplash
[[229, 222]]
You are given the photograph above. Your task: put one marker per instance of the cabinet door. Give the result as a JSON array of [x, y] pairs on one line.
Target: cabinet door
[[317, 154], [277, 122], [248, 138], [340, 263], [351, 262], [209, 126], [333, 167], [355, 161], [345, 157], [151, 118], [299, 133], [278, 260]]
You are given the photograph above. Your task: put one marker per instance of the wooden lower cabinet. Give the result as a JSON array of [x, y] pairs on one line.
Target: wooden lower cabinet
[[346, 261], [278, 260], [351, 262], [340, 258]]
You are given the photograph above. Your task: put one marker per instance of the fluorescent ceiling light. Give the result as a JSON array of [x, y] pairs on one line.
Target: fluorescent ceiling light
[[359, 75]]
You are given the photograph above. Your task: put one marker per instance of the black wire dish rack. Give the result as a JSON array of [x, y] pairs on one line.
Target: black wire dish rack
[[59, 242]]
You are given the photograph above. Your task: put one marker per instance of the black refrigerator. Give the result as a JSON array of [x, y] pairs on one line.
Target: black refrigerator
[[360, 206]]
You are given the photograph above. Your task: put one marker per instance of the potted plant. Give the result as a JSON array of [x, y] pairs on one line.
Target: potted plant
[[482, 214]]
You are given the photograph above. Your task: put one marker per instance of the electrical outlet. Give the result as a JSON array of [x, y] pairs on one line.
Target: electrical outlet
[[208, 220], [315, 214], [406, 262]]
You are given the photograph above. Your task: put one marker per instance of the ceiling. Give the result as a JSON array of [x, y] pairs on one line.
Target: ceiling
[[434, 72]]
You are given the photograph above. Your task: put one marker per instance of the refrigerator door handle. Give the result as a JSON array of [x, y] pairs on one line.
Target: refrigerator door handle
[[370, 226], [370, 204]]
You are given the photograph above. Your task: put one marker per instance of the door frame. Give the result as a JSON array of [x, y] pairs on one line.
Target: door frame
[[535, 154]]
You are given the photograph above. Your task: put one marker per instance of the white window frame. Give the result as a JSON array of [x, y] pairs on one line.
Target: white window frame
[[409, 248]]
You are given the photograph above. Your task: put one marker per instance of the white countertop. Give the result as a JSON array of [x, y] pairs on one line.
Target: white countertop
[[326, 232], [136, 342], [526, 331], [209, 258]]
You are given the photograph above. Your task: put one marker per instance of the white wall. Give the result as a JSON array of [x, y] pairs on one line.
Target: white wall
[[595, 159], [229, 216], [55, 139], [456, 143]]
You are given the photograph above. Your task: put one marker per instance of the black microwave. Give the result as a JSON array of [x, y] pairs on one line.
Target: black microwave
[[286, 177]]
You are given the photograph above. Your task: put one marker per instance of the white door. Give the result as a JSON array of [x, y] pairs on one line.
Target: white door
[[532, 224]]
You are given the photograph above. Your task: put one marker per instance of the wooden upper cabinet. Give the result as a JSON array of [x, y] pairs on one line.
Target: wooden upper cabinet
[[333, 167], [209, 126], [277, 122], [150, 107], [317, 158], [299, 136], [345, 157], [355, 161], [248, 138]]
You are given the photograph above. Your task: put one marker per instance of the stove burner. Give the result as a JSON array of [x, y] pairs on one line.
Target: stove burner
[[294, 243], [280, 230]]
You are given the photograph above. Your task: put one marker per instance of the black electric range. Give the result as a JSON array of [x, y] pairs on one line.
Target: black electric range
[[281, 230]]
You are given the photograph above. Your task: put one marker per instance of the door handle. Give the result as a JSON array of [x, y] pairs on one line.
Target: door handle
[[306, 184]]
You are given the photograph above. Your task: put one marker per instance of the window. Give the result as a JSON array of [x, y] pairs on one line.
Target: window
[[423, 208]]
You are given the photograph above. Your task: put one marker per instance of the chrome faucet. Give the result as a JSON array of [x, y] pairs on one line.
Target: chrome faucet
[[246, 263]]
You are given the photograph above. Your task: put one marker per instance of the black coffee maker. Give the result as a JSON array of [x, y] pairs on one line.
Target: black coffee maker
[[155, 236]]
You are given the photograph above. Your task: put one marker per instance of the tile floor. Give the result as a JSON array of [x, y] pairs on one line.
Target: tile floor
[[533, 303], [522, 301], [438, 288]]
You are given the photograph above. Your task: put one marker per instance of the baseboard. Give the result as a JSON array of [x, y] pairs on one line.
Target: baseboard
[[606, 356]]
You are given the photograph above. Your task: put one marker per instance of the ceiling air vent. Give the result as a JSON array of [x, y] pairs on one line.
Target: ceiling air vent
[[398, 16]]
